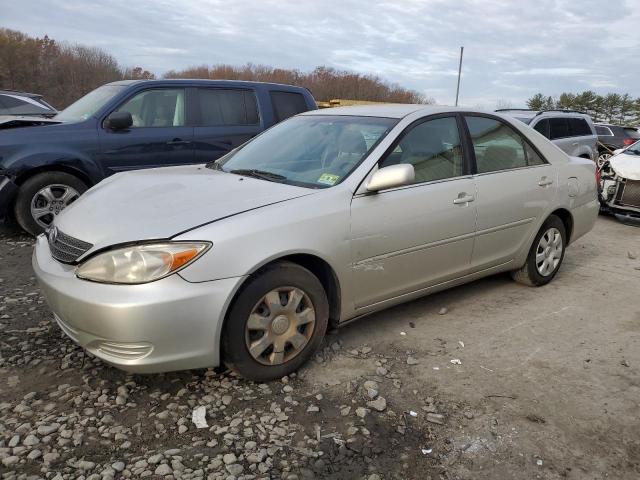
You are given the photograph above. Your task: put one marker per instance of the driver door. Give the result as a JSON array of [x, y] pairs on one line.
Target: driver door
[[409, 238], [158, 137]]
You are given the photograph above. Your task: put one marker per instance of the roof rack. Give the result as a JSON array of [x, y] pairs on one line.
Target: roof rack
[[561, 110], [515, 110]]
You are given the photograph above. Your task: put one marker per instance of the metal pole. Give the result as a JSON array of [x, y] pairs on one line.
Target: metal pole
[[459, 73]]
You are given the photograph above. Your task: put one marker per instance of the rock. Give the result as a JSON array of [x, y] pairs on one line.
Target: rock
[[631, 255], [379, 404], [373, 476], [85, 465], [14, 442], [12, 460], [370, 384], [381, 371], [624, 363], [313, 409], [50, 458], [365, 350], [34, 454], [118, 466], [182, 429], [361, 412], [235, 469], [30, 441], [443, 311], [226, 399], [154, 459], [351, 431], [45, 430], [163, 469], [229, 458], [435, 418], [372, 393], [344, 411], [411, 360], [287, 389]]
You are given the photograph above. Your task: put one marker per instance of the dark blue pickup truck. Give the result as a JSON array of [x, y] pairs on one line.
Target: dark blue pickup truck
[[45, 164]]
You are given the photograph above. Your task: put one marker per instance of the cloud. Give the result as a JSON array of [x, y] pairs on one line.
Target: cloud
[[512, 49]]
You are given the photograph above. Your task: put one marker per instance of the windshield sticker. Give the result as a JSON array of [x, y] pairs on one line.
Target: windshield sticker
[[328, 179]]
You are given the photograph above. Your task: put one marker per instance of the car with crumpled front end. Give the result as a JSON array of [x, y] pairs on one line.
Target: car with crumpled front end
[[619, 189], [322, 219]]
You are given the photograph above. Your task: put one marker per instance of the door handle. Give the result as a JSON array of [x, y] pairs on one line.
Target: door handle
[[545, 182], [463, 199], [178, 141]]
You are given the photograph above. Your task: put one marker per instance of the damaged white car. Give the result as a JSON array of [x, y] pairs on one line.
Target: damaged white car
[[620, 183]]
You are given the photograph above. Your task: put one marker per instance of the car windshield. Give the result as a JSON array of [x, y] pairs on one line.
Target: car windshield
[[633, 149], [88, 105], [316, 151]]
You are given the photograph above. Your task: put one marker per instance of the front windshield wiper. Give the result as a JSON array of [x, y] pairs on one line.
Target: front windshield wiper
[[263, 175]]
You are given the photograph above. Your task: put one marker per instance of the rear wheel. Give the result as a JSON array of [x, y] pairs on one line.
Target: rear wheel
[[276, 323], [42, 197], [545, 256]]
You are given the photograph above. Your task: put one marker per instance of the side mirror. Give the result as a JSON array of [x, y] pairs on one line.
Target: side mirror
[[118, 121], [391, 176]]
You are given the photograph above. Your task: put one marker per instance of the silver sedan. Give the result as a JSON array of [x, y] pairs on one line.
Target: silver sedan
[[324, 218]]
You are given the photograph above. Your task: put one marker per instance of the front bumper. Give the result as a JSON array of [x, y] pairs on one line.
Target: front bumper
[[169, 324], [8, 192]]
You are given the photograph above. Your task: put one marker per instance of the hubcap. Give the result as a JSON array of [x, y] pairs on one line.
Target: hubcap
[[602, 159], [280, 325], [50, 201], [549, 252]]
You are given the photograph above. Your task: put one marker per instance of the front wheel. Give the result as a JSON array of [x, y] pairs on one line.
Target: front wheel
[[276, 323], [42, 197], [545, 256]]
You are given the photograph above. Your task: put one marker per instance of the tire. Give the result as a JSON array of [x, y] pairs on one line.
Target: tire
[[276, 323], [30, 194], [531, 273]]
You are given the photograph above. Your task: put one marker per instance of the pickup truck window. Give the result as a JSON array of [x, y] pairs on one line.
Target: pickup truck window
[[220, 107], [160, 107], [287, 104]]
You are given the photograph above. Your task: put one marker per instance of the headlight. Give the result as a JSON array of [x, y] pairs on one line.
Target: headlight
[[141, 263]]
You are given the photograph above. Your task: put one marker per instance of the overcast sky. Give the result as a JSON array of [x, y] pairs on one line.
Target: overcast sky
[[513, 49]]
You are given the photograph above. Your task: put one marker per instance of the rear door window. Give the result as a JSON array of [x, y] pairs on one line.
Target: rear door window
[[496, 145], [558, 128], [578, 127], [287, 104], [543, 127], [220, 107]]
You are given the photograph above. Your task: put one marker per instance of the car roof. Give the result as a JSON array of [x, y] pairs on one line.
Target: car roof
[[18, 93], [523, 112], [203, 81], [388, 110]]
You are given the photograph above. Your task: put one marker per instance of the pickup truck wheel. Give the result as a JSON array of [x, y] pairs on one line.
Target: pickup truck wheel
[[276, 323], [44, 196], [545, 256]]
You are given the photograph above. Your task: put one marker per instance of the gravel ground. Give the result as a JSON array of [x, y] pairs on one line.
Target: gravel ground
[[489, 380]]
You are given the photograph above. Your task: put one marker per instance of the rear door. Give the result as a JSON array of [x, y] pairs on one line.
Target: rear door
[[583, 138], [515, 187], [158, 137], [225, 118]]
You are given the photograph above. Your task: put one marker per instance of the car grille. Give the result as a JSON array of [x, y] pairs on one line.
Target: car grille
[[65, 248], [631, 194]]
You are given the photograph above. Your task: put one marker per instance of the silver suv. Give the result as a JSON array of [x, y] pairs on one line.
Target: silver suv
[[570, 130]]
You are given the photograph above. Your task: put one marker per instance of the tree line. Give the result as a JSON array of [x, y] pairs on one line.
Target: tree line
[[610, 108], [62, 73]]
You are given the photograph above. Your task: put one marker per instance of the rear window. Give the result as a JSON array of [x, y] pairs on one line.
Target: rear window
[[15, 105], [578, 127], [219, 107], [632, 133], [287, 104]]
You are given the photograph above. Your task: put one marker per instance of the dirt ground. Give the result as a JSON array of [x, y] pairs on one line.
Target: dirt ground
[[546, 384]]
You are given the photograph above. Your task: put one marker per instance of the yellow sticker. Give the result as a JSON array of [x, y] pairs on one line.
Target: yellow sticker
[[328, 179]]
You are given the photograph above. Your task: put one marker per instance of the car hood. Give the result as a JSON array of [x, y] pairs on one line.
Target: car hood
[[626, 166], [163, 202]]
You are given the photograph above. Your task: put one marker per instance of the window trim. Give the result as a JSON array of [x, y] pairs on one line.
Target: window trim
[[521, 135], [197, 114], [610, 134], [142, 90]]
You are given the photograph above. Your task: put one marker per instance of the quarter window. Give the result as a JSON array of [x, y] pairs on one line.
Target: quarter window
[[227, 107], [603, 131], [156, 108], [578, 127], [433, 148], [287, 104], [499, 147], [543, 127]]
